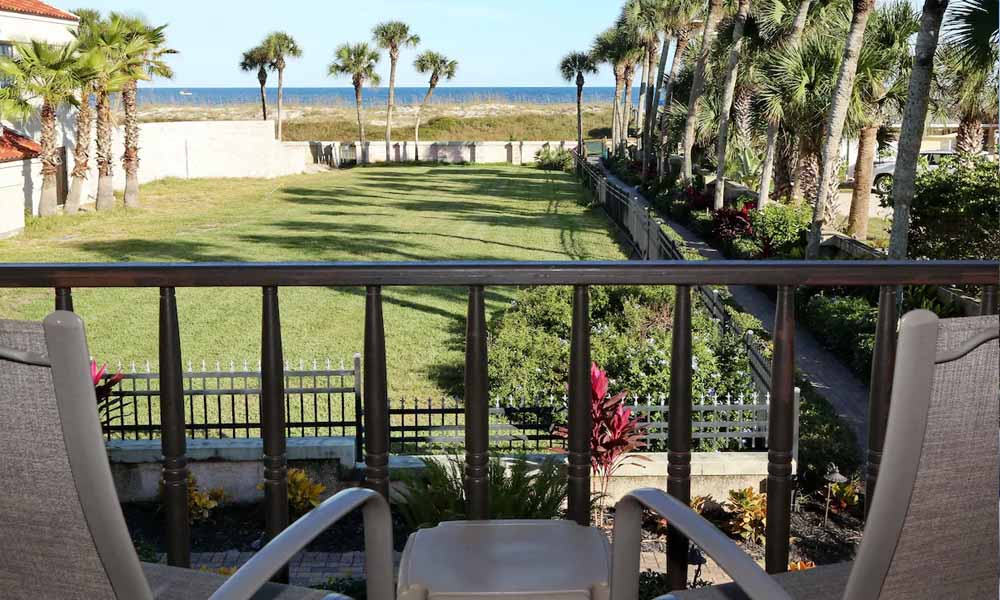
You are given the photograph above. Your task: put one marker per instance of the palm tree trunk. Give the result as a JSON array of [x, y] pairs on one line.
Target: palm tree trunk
[[807, 177], [81, 153], [798, 26], [651, 117], [262, 79], [647, 102], [823, 210], [728, 92], [616, 109], [416, 127], [698, 83], [743, 113], [130, 161], [683, 37], [643, 70], [864, 174], [787, 158], [579, 115], [281, 89], [652, 105], [362, 158], [391, 105], [105, 166], [626, 113], [912, 128], [50, 161], [969, 138]]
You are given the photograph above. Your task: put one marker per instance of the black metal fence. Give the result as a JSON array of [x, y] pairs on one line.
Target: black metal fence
[[225, 403]]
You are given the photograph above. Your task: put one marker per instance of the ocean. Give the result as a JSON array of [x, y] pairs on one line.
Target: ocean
[[338, 96]]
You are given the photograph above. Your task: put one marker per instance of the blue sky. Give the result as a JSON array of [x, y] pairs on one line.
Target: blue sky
[[497, 42]]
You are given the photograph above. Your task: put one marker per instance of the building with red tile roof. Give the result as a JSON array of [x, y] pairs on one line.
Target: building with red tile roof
[[36, 8], [14, 146]]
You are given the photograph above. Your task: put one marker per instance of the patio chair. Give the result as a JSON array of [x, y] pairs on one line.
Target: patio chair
[[932, 528], [62, 531]]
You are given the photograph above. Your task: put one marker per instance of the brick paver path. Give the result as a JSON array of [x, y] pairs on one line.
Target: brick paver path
[[307, 569]]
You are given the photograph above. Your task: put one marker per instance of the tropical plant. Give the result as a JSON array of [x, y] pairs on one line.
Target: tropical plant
[[844, 496], [801, 565], [280, 47], [257, 59], [883, 68], [438, 65], [573, 67], [518, 489], [553, 159], [648, 18], [52, 74], [747, 514], [615, 431], [114, 49], [715, 10], [89, 20], [726, 103], [109, 407], [304, 494], [912, 128], [619, 47], [201, 503], [392, 36], [147, 61], [358, 62], [680, 22], [843, 92]]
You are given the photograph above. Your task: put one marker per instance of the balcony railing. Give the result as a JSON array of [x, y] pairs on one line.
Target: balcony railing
[[475, 276]]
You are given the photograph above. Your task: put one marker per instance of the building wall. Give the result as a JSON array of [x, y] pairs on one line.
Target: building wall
[[16, 27]]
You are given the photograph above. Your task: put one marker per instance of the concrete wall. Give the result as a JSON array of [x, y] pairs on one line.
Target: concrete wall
[[20, 191], [521, 152], [235, 465]]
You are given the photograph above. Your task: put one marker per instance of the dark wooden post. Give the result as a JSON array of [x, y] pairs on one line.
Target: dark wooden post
[[679, 432], [359, 428], [173, 443], [578, 468], [880, 390], [272, 422], [988, 304], [376, 396], [64, 299], [780, 431], [477, 421]]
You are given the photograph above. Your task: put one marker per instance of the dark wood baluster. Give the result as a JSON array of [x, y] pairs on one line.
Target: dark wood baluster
[[988, 304], [679, 432], [359, 429], [579, 421], [172, 438], [272, 425], [64, 299], [376, 396], [477, 418], [883, 364], [780, 431]]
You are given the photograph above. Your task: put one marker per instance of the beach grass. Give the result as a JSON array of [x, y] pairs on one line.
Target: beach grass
[[390, 213]]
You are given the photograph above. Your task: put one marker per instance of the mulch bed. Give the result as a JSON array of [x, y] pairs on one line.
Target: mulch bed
[[240, 527]]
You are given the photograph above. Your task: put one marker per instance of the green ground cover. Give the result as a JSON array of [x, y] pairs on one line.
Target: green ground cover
[[406, 213]]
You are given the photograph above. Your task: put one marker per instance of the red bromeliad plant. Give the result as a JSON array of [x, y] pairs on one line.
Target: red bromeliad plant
[[615, 431], [108, 408]]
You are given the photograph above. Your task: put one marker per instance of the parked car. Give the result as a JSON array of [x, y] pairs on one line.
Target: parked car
[[882, 182]]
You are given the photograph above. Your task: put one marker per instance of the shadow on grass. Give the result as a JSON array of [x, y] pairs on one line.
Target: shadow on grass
[[135, 250]]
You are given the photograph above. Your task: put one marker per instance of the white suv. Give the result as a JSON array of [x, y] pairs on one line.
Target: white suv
[[882, 182]]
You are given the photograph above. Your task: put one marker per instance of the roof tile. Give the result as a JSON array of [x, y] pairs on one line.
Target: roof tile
[[34, 7], [14, 146]]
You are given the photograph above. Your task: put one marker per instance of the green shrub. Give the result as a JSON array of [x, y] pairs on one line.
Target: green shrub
[[780, 230], [845, 325], [823, 438], [554, 159], [519, 489], [954, 213], [348, 586]]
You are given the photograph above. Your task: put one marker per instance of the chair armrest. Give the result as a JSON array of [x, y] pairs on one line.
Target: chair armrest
[[279, 551], [757, 584]]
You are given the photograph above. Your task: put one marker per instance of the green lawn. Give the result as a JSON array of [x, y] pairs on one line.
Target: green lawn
[[366, 214]]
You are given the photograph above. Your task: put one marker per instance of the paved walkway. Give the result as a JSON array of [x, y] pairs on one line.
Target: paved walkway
[[846, 393]]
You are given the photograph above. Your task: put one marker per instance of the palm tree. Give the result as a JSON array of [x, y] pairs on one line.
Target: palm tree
[[726, 105], [358, 62], [883, 69], [618, 47], [912, 128], [649, 19], [257, 59], [698, 83], [574, 66], [774, 124], [280, 47], [438, 65], [112, 49], [823, 209], [143, 64], [89, 19], [392, 36], [51, 74]]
